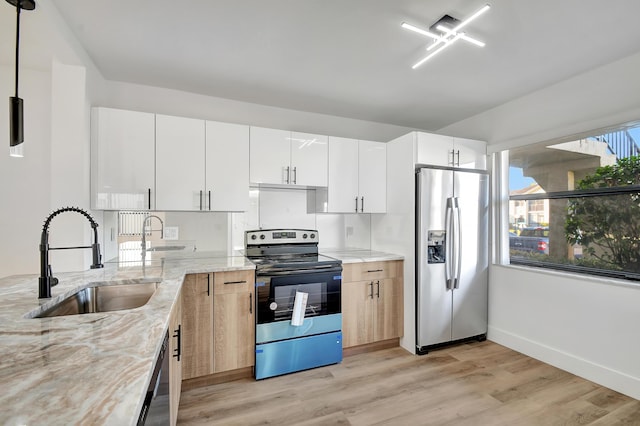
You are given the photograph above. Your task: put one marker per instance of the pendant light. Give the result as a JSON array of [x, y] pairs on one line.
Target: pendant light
[[16, 108]]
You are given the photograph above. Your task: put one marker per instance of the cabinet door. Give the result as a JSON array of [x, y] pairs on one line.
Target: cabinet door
[[342, 188], [122, 159], [227, 167], [388, 314], [470, 154], [175, 363], [270, 156], [197, 325], [234, 320], [372, 179], [180, 163], [357, 315], [434, 149], [309, 159]]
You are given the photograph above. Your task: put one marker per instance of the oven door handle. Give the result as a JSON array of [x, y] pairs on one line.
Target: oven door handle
[[314, 270]]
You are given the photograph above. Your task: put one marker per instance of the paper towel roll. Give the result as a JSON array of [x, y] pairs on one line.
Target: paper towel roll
[[299, 308]]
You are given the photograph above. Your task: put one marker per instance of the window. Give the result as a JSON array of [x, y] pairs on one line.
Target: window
[[576, 205]]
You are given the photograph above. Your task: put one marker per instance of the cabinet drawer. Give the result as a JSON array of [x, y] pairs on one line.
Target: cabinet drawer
[[233, 282], [371, 270]]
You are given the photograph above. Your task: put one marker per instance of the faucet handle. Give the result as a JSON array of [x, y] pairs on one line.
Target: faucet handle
[[52, 280]]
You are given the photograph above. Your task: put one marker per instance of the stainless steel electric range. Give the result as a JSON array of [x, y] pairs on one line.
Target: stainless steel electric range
[[298, 307]]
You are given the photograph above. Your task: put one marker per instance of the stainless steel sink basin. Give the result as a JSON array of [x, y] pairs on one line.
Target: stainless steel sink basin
[[103, 298]]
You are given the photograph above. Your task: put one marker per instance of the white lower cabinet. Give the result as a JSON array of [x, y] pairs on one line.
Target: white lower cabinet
[[357, 177]]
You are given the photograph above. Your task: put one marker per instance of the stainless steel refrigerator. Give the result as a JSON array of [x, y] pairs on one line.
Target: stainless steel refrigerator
[[452, 255]]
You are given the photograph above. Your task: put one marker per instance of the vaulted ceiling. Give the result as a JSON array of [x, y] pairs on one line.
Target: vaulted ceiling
[[351, 58]]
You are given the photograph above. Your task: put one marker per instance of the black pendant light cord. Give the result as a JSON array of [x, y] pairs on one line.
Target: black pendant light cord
[[17, 42]]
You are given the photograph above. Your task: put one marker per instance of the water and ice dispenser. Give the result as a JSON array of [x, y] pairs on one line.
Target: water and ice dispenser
[[436, 246]]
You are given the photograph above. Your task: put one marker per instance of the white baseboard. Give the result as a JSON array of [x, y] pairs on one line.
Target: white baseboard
[[600, 374]]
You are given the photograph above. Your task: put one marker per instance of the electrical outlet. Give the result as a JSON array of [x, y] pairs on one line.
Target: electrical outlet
[[170, 233]]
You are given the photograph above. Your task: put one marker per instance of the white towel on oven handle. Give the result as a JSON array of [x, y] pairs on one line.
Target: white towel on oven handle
[[299, 308]]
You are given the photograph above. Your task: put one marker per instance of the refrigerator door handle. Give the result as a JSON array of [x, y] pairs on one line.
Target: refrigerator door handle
[[448, 225], [458, 248]]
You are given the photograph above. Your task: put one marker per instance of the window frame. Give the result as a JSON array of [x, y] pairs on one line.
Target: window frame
[[578, 193]]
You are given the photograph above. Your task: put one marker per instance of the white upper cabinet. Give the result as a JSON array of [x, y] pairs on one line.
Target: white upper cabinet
[[180, 163], [122, 160], [270, 152], [227, 166], [448, 151], [342, 191], [357, 176], [289, 158], [470, 154], [309, 156], [372, 173]]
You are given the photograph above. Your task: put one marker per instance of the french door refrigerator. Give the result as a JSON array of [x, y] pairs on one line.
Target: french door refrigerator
[[452, 255]]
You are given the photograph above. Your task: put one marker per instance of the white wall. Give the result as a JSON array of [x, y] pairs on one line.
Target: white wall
[[25, 181], [604, 97], [173, 102], [586, 326]]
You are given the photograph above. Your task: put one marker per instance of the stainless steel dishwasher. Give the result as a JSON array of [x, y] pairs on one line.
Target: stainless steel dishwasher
[[156, 408]]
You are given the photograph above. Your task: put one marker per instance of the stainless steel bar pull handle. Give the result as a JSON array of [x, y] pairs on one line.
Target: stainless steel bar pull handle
[[448, 246], [378, 288], [458, 158], [458, 248], [362, 205], [371, 288], [356, 204], [286, 179], [201, 199], [209, 200], [450, 158], [295, 175]]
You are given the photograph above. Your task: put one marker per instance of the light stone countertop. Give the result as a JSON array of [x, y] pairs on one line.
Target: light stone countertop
[[89, 368], [360, 255], [95, 368]]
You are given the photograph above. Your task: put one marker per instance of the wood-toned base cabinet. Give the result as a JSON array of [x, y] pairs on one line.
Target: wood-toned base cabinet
[[372, 302], [218, 317], [175, 363]]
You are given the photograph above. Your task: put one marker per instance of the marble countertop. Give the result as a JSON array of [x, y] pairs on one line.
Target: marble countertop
[[360, 255], [90, 368], [95, 368]]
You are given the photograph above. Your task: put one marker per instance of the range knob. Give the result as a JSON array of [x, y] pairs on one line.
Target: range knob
[[313, 236], [304, 236], [262, 236], [253, 237]]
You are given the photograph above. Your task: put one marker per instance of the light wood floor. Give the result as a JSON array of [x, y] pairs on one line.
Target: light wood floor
[[471, 384]]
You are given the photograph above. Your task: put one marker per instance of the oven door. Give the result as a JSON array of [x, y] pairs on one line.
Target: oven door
[[276, 293]]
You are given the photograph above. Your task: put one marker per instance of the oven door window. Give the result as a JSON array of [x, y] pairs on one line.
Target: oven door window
[[284, 298], [323, 290]]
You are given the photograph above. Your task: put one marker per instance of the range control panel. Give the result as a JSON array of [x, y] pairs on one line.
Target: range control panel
[[280, 236]]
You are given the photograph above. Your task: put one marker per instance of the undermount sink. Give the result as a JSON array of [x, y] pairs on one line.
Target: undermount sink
[[103, 298], [166, 248]]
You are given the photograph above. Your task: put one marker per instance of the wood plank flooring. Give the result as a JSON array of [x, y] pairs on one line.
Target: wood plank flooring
[[470, 384]]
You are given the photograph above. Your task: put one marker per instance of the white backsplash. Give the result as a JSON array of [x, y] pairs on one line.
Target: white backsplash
[[268, 208]]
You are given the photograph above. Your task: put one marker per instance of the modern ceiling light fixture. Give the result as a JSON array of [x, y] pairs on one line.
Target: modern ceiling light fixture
[[445, 32], [16, 107]]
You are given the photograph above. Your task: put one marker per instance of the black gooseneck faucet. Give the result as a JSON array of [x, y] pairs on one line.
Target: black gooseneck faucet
[[46, 280]]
